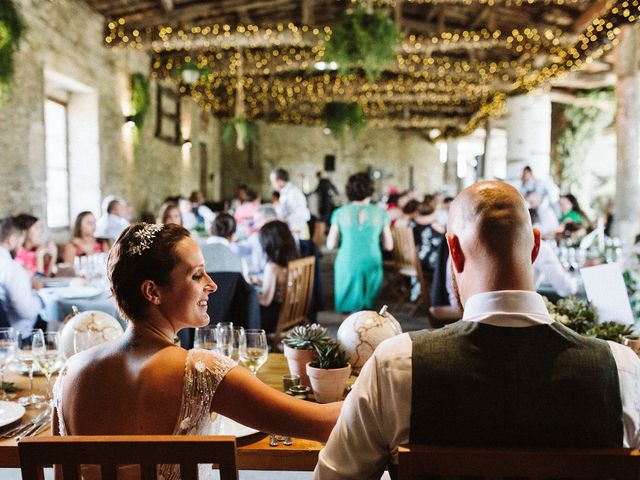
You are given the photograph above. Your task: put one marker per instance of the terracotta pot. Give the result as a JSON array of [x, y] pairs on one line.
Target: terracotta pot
[[297, 360], [328, 385]]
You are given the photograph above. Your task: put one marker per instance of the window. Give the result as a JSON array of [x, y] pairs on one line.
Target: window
[[56, 151]]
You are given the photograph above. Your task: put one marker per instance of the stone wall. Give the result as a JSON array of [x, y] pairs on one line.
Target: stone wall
[[301, 150], [66, 37]]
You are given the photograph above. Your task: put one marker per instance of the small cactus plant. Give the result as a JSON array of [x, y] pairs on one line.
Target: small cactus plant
[[306, 337], [329, 356]]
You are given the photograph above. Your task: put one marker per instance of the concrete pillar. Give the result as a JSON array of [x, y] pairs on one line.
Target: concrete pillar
[[627, 131], [453, 183], [528, 135]]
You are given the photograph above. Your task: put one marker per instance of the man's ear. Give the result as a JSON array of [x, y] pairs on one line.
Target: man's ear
[[150, 291], [455, 252], [536, 244]]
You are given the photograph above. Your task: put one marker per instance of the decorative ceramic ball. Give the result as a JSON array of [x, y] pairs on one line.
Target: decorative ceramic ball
[[88, 329], [361, 332]]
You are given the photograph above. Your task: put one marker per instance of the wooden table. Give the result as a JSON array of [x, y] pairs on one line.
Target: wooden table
[[254, 452]]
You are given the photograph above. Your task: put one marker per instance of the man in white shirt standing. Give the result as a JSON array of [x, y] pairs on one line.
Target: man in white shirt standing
[[114, 220], [17, 297], [505, 375], [293, 207]]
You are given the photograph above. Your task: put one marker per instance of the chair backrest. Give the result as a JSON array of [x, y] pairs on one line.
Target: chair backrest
[[297, 297], [404, 251], [108, 452], [4, 316], [417, 461]]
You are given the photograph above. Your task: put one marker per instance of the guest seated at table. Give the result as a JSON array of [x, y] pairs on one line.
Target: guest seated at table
[[142, 383], [219, 255], [280, 247], [574, 222], [542, 215], [17, 295], [427, 234], [115, 218], [169, 213], [83, 242], [506, 375], [243, 214], [35, 255], [250, 248]]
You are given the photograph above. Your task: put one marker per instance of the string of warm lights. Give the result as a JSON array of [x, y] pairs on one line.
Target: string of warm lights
[[507, 3], [428, 85]]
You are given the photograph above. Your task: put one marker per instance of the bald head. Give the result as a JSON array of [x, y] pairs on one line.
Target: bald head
[[490, 237]]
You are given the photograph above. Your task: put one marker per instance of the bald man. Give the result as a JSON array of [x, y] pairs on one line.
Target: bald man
[[504, 375]]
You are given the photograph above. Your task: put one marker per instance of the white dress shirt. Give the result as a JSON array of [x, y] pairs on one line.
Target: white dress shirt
[[111, 226], [21, 302], [375, 418], [293, 208]]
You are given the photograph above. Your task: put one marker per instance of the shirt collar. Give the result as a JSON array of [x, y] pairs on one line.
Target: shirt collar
[[509, 308], [217, 240], [6, 254]]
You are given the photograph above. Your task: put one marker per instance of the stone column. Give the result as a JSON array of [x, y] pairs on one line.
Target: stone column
[[627, 131], [528, 135], [453, 183]]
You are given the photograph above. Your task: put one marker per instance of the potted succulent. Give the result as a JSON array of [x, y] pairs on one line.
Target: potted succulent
[[300, 348], [329, 372]]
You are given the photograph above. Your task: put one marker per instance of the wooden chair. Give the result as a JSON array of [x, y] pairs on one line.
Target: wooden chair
[[416, 461], [110, 451], [407, 264], [297, 297]]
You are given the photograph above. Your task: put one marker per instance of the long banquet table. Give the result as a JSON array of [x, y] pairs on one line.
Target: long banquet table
[[254, 452]]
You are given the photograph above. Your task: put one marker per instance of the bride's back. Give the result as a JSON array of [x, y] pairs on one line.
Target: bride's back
[[123, 387]]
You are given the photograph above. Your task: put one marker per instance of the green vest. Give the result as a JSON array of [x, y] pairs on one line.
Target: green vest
[[475, 384]]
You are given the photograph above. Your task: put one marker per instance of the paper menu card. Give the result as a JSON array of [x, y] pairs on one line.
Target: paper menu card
[[607, 293]]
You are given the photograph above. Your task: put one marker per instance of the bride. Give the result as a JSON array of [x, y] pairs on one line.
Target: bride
[[142, 383]]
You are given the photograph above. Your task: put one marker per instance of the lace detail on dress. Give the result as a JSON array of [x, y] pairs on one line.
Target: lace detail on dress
[[203, 372]]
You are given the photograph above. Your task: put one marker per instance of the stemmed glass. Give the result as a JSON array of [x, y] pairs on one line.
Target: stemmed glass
[[205, 338], [24, 353], [224, 338], [253, 349], [7, 351], [46, 351]]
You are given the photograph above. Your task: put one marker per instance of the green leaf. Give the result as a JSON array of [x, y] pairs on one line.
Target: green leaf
[[340, 115], [239, 126], [140, 98], [12, 28]]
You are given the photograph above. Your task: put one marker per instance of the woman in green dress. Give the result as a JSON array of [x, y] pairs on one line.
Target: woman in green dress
[[360, 229]]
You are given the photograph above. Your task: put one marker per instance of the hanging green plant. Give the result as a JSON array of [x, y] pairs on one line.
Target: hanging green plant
[[241, 130], [190, 72], [583, 127], [140, 98], [12, 28], [340, 115], [363, 39]]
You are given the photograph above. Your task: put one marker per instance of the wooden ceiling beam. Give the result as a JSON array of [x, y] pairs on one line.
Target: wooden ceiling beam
[[167, 5], [585, 19], [308, 12], [558, 96]]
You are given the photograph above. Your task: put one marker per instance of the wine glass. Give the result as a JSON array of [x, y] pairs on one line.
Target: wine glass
[[205, 338], [238, 334], [47, 353], [224, 337], [7, 352], [253, 349], [24, 354]]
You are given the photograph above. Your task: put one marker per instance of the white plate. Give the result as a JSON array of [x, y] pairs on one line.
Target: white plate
[[10, 412], [231, 427]]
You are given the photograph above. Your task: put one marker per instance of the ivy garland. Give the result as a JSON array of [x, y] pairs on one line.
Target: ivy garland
[[363, 39], [340, 115], [241, 130], [583, 126], [140, 98], [12, 28]]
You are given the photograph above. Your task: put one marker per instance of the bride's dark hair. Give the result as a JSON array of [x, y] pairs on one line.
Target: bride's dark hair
[[142, 252]]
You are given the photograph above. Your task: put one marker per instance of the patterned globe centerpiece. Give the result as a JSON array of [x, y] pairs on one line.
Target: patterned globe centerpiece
[[98, 326], [361, 332]]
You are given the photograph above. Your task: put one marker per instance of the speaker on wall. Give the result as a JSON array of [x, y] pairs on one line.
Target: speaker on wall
[[329, 163]]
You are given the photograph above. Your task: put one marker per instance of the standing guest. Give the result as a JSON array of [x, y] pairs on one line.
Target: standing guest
[[427, 234], [114, 220], [83, 241], [20, 302], [159, 282], [358, 229], [34, 255], [327, 197], [280, 247], [542, 215], [170, 213], [217, 252], [506, 375], [292, 206], [409, 212]]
